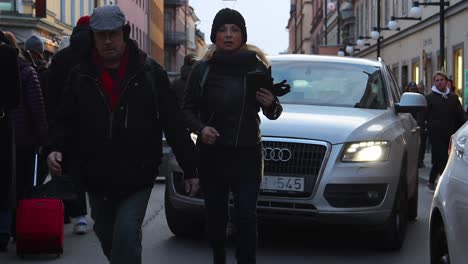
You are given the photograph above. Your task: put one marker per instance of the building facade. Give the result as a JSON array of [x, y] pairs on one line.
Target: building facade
[[413, 52], [156, 30], [180, 37], [316, 28], [299, 26], [137, 15], [48, 19]]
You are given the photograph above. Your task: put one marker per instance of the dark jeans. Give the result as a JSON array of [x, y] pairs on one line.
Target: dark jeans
[[439, 156], [238, 170], [76, 208], [117, 225]]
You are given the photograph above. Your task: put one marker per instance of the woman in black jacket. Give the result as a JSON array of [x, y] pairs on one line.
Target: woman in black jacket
[[9, 99], [221, 105], [30, 124]]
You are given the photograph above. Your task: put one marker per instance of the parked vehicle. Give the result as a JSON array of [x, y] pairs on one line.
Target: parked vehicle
[[448, 224], [344, 150]]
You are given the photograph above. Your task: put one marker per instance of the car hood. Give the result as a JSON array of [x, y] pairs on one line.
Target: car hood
[[325, 123]]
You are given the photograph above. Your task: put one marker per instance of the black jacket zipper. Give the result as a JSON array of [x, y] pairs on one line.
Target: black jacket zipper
[[109, 111]]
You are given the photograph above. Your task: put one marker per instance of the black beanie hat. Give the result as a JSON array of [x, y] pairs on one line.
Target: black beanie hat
[[228, 16]]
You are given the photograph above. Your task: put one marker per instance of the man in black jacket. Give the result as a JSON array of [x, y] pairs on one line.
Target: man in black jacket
[[62, 63], [444, 117], [109, 128]]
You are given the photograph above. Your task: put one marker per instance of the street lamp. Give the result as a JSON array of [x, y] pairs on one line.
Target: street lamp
[[349, 49], [416, 11], [393, 23]]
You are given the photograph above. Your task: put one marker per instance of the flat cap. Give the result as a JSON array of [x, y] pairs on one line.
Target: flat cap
[[107, 18]]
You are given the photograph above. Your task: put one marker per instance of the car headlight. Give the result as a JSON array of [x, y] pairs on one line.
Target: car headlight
[[366, 151]]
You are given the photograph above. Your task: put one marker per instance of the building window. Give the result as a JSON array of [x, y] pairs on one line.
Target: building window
[[367, 27], [168, 20], [81, 8], [441, 67], [458, 70], [404, 7], [416, 74], [358, 19], [90, 6], [363, 21], [404, 76], [387, 11], [395, 72], [73, 13], [7, 5], [62, 11]]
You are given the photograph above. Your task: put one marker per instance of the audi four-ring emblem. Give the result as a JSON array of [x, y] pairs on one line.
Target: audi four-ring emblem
[[277, 154]]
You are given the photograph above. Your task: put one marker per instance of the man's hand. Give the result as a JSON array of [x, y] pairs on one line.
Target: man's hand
[[192, 186], [209, 135], [265, 98], [53, 162]]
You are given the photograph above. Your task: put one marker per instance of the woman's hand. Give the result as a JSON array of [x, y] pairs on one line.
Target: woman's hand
[[192, 186], [265, 98], [209, 135], [53, 162]]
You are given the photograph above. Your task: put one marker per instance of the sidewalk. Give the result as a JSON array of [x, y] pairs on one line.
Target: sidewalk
[[424, 172]]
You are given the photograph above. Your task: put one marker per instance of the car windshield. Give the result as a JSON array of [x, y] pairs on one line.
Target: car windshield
[[331, 84]]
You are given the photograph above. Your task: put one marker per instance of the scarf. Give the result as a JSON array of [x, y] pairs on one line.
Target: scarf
[[112, 87], [444, 94]]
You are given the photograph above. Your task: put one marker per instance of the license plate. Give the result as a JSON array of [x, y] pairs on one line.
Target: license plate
[[279, 183]]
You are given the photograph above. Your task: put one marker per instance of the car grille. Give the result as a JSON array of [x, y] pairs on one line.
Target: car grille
[[305, 161]]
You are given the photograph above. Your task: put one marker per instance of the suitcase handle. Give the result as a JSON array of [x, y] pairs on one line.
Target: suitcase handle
[[36, 157]]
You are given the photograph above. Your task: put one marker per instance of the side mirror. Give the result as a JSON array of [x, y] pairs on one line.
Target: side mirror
[[411, 102]]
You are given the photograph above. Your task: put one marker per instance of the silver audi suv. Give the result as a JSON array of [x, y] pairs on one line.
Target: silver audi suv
[[344, 151]]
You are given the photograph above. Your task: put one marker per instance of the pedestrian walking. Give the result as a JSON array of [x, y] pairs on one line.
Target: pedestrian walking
[[9, 100], [178, 85], [62, 62], [223, 110], [109, 128], [34, 53], [444, 116], [451, 86], [30, 125]]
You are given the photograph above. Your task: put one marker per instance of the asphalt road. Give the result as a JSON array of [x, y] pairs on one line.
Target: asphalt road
[[282, 244]]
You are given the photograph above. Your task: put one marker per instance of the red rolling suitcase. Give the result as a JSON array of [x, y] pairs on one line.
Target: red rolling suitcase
[[39, 225]]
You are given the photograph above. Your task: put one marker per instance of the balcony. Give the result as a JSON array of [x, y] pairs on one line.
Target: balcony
[[174, 38], [175, 2]]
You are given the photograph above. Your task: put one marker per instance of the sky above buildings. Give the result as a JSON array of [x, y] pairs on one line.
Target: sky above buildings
[[266, 20]]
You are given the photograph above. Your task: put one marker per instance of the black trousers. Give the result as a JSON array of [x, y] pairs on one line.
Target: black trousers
[[238, 170], [78, 207], [439, 145]]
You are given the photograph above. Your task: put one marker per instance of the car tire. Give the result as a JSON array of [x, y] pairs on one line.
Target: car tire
[[395, 228], [439, 249], [413, 202], [182, 224]]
